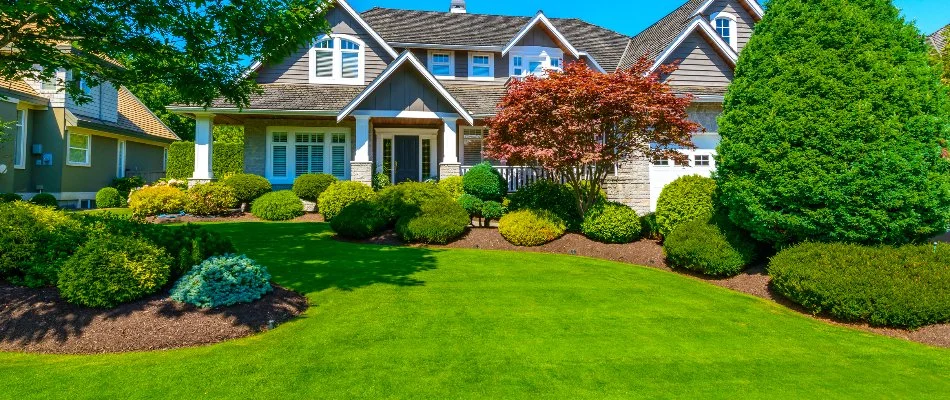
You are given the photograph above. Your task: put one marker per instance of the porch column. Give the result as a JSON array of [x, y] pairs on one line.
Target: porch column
[[361, 168], [204, 125], [450, 149]]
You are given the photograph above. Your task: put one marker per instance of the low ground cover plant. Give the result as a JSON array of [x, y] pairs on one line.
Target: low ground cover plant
[[611, 223], [712, 245], [310, 186], [44, 199], [223, 281], [277, 206], [685, 199], [210, 199], [247, 187], [109, 197], [531, 227], [360, 220], [907, 286], [438, 221], [340, 194], [186, 245], [155, 200], [108, 271]]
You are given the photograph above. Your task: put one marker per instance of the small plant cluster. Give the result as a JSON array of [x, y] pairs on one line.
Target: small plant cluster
[[531, 227], [170, 196], [482, 194], [223, 281]]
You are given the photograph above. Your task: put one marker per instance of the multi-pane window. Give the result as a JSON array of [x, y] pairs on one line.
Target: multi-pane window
[[473, 145], [19, 140], [350, 59], [388, 156], [724, 28], [323, 58], [426, 159], [701, 160], [440, 64], [309, 151], [279, 154], [480, 65], [120, 160], [661, 162], [556, 63], [296, 153], [338, 155], [337, 60], [79, 149], [535, 62], [517, 66]]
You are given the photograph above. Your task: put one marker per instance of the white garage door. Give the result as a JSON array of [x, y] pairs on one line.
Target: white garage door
[[701, 162]]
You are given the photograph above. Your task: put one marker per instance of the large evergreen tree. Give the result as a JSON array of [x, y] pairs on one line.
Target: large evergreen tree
[[834, 126]]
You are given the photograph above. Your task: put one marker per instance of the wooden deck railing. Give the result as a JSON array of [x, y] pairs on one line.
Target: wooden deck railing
[[517, 177]]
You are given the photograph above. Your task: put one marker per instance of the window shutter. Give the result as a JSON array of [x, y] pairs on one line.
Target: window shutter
[[324, 63], [338, 160], [279, 162]]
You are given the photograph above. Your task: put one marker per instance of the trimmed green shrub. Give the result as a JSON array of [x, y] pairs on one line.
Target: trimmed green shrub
[[439, 221], [155, 200], [492, 210], [406, 199], [906, 286], [44, 199], [310, 186], [685, 199], [471, 204], [381, 180], [712, 246], [832, 129], [485, 182], [548, 195], [9, 197], [247, 187], [187, 245], [210, 199], [340, 194], [223, 281], [359, 220], [531, 227], [127, 184], [109, 197], [649, 227], [34, 243], [612, 223], [226, 159], [277, 206], [453, 186], [109, 271]]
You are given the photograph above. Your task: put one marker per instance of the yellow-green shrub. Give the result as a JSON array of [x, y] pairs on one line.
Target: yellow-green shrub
[[155, 200], [531, 227]]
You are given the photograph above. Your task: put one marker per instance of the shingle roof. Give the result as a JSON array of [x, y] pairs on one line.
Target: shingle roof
[[19, 88], [134, 119], [940, 38], [478, 99], [278, 96], [433, 27], [656, 38]]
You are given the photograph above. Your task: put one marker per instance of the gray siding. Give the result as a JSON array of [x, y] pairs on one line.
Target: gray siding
[[537, 36], [700, 64], [406, 90], [104, 104], [744, 21], [461, 66]]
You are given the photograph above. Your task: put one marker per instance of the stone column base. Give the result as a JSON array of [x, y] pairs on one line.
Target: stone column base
[[361, 171], [192, 182], [449, 169]]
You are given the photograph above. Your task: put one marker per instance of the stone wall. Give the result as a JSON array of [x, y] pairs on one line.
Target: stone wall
[[630, 185]]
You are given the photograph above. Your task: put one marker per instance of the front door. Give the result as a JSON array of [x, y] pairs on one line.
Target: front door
[[406, 158]]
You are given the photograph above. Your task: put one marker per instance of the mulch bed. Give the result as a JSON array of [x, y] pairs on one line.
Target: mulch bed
[[235, 217], [38, 321]]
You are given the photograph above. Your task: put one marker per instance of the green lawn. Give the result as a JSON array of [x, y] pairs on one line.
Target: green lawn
[[391, 322]]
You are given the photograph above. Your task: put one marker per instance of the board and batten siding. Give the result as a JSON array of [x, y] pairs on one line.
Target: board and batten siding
[[537, 36], [744, 20], [103, 105], [296, 67], [699, 64], [406, 90]]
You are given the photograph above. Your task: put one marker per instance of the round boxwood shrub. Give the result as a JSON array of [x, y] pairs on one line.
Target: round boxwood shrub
[[277, 206], [210, 199], [712, 246], [531, 227], [341, 194], [34, 243], [359, 220], [223, 281], [907, 286], [548, 195], [9, 197], [685, 199], [45, 200], [109, 197], [108, 271], [439, 221], [310, 186], [247, 187], [155, 200], [612, 223], [406, 199], [485, 182], [453, 186]]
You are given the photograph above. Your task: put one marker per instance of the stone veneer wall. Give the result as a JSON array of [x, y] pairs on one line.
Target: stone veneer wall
[[630, 185]]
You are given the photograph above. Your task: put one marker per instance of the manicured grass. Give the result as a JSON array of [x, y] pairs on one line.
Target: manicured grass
[[415, 323]]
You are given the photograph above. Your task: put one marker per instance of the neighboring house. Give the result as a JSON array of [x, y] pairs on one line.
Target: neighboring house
[[71, 151], [407, 92], [940, 38]]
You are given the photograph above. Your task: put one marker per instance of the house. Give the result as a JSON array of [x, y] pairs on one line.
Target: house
[[72, 150], [940, 38], [407, 92]]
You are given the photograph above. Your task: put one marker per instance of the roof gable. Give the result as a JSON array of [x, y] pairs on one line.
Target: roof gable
[[546, 23], [751, 5], [699, 25], [940, 38]]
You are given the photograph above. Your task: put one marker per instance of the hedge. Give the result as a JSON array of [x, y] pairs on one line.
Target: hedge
[[226, 159]]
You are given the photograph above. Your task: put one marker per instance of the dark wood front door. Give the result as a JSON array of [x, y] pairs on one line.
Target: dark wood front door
[[406, 156]]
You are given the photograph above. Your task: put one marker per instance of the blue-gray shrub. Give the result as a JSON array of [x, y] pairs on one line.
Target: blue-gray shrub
[[223, 281]]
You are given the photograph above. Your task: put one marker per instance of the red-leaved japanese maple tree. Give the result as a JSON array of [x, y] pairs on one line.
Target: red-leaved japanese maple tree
[[578, 124]]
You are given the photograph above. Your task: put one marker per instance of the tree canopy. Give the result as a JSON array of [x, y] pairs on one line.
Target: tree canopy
[[579, 123], [199, 47], [833, 128]]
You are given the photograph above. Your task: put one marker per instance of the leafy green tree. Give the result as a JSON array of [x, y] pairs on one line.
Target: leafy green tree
[[833, 128], [199, 47]]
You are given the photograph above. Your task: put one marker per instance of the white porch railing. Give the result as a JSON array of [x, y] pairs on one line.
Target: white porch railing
[[517, 177]]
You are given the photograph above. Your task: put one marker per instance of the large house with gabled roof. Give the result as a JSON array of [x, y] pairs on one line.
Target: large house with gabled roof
[[407, 92]]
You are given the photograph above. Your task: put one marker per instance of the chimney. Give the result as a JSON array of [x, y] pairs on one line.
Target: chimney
[[457, 7]]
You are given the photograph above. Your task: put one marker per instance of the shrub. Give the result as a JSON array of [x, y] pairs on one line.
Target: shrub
[[685, 199], [155, 200], [109, 197], [406, 199], [44, 199], [181, 184], [310, 186], [531, 227], [187, 245], [485, 182], [649, 227], [210, 199], [551, 196], [712, 246], [439, 221], [9, 197], [109, 271], [247, 187], [222, 281], [359, 220], [277, 206], [813, 149], [381, 180], [906, 286], [125, 185], [453, 186], [612, 223], [226, 159], [471, 204], [34, 242], [492, 210]]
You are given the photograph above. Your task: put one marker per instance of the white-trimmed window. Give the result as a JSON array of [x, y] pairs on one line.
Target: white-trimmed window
[[473, 145], [292, 152], [533, 60], [442, 63], [725, 25], [19, 139], [79, 149], [337, 59], [84, 85], [120, 159], [481, 66], [702, 160]]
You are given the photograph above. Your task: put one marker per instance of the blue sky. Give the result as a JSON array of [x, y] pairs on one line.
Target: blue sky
[[631, 16]]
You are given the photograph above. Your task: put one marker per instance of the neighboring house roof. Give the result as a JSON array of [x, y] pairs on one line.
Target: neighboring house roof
[[134, 119], [20, 89], [940, 38]]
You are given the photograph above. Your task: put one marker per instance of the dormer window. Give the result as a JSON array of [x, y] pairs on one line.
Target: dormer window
[[441, 64], [535, 61], [337, 59], [725, 24], [481, 66]]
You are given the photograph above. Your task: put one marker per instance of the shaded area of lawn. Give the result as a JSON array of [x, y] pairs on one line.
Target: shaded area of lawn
[[392, 322]]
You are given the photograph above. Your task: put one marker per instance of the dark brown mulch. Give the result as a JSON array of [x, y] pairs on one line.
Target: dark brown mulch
[[235, 217], [38, 321]]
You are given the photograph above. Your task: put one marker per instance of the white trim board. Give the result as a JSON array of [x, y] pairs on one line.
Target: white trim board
[[539, 17], [703, 26], [752, 5], [421, 133]]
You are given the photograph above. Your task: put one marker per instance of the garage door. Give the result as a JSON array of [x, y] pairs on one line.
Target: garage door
[[662, 172]]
